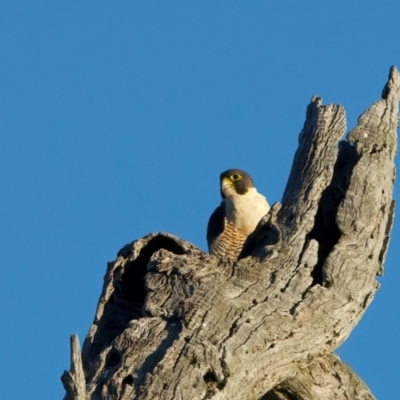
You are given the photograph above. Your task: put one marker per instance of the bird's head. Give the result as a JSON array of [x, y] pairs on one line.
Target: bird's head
[[235, 182]]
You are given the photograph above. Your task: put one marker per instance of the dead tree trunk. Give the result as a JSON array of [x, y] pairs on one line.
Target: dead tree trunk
[[175, 323]]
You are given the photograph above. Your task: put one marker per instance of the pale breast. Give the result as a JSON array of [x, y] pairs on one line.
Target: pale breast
[[245, 211]]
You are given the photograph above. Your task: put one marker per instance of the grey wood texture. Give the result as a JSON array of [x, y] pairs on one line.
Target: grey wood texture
[[173, 322]]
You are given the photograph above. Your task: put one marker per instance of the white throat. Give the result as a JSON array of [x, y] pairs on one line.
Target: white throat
[[245, 211]]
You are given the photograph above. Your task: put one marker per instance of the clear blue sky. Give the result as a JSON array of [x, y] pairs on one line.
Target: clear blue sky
[[116, 120]]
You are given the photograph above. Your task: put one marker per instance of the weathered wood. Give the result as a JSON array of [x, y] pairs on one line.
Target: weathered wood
[[176, 323], [326, 378], [74, 380]]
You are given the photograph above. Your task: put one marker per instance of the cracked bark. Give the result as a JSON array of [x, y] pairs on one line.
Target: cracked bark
[[175, 323]]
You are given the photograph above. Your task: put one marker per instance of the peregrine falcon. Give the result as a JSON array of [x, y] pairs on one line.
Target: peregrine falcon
[[240, 211]]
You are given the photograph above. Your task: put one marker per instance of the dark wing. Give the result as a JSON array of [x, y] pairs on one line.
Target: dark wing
[[216, 225]]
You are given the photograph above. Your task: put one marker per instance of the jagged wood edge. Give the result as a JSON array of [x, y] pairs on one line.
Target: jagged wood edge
[[74, 380]]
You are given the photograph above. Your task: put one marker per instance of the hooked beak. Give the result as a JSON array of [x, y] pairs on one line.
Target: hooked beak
[[226, 183]]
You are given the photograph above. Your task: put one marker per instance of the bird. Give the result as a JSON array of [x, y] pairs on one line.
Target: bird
[[241, 209]]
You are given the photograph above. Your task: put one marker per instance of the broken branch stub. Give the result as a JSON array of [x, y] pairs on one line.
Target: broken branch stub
[[176, 323]]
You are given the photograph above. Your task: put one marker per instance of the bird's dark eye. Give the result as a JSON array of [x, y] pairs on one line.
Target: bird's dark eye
[[235, 177]]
